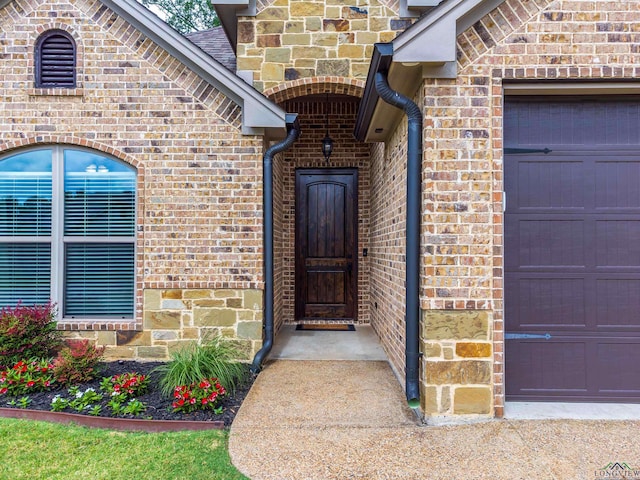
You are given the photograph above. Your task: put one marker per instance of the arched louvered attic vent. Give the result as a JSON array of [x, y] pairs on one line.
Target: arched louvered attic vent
[[55, 60]]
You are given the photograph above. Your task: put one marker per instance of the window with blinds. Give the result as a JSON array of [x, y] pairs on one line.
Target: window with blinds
[[55, 60], [26, 182], [67, 232]]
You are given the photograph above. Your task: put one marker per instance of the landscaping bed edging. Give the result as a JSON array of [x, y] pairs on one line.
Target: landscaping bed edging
[[121, 424]]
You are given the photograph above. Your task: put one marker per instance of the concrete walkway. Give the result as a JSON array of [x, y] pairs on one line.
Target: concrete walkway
[[322, 420]]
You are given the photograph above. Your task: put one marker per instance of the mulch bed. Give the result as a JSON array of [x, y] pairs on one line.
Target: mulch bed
[[158, 406]]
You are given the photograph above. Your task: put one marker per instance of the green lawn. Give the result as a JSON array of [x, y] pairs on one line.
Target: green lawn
[[47, 451]]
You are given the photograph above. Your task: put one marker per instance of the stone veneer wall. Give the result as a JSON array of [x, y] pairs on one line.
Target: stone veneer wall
[[294, 39], [562, 40], [457, 362], [199, 223], [173, 317]]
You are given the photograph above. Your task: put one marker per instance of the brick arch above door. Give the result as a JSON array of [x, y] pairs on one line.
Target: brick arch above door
[[315, 85]]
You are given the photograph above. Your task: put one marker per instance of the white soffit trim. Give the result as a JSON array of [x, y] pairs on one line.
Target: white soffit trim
[[258, 112], [432, 39], [414, 8], [572, 88]]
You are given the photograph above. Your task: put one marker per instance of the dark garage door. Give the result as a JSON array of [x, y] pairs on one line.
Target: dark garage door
[[572, 249]]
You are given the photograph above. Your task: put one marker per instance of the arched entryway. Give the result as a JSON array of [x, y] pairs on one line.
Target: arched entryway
[[324, 105]]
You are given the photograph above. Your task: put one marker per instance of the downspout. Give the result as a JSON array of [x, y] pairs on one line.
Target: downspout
[[293, 131], [412, 257]]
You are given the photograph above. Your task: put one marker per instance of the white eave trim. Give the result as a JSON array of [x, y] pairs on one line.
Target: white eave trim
[[415, 8], [431, 41], [259, 114]]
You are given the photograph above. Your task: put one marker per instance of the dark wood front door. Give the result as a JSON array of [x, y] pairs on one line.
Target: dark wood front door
[[326, 244]]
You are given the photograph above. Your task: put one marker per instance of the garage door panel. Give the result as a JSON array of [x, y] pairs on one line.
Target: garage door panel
[[564, 304], [614, 359], [617, 185], [618, 304], [538, 371], [549, 185], [546, 243], [572, 121], [618, 243]]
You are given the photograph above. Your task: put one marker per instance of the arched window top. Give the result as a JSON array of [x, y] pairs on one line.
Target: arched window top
[[55, 60]]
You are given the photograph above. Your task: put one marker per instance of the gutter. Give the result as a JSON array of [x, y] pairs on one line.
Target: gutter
[[293, 132], [378, 87], [380, 62]]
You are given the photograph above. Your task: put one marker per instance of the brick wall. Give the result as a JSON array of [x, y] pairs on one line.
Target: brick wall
[[294, 39], [281, 265], [199, 179], [388, 244], [558, 40]]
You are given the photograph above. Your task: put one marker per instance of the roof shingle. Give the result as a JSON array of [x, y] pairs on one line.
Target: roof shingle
[[214, 42]]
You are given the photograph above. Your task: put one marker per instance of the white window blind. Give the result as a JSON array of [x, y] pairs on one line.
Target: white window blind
[[99, 279], [99, 202], [25, 273], [25, 194]]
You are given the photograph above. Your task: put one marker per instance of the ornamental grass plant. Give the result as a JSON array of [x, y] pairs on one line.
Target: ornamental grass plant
[[213, 358]]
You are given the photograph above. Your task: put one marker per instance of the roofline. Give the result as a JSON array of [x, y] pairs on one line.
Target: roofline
[[427, 49], [433, 37], [258, 112]]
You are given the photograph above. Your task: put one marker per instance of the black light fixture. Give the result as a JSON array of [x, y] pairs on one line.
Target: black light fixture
[[327, 142]]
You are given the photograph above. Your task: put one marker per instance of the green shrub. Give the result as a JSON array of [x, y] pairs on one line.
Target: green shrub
[[77, 362], [28, 332], [213, 358]]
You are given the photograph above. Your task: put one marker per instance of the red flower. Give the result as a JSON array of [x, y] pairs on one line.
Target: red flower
[[31, 383], [3, 390]]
